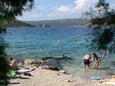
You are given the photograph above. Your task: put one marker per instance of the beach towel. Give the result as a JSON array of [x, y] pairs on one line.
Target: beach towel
[[23, 70], [11, 73], [95, 78]]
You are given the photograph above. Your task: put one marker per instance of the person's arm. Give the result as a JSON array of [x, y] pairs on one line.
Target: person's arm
[[92, 58]]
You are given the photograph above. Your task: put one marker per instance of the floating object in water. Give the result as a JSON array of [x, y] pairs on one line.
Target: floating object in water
[[95, 78]]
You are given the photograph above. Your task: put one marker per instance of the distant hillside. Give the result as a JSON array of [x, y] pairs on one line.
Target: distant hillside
[[17, 23], [58, 22]]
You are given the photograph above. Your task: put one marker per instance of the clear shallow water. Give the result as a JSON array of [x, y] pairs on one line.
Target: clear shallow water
[[54, 41], [37, 42]]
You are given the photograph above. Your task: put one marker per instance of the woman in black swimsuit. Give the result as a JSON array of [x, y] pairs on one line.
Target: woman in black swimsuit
[[96, 60]]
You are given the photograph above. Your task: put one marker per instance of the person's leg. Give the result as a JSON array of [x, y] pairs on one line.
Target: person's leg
[[88, 65], [84, 62], [94, 65], [85, 66], [97, 65]]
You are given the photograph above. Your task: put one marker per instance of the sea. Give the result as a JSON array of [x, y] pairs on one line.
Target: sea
[[73, 42]]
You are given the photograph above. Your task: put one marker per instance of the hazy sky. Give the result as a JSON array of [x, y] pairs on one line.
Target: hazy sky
[[58, 9]]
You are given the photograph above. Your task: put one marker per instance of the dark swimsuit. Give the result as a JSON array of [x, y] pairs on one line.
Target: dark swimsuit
[[86, 61]]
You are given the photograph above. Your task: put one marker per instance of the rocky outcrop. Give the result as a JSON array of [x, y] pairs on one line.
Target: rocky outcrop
[[52, 64]]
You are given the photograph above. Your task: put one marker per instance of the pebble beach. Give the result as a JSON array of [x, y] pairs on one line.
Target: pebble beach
[[43, 77]]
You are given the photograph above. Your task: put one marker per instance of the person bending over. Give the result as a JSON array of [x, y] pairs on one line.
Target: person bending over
[[86, 61]]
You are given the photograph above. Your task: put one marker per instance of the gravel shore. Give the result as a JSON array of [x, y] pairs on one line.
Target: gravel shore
[[44, 77]]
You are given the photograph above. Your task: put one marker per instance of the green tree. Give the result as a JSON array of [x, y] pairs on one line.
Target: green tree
[[102, 4], [9, 9], [4, 66], [103, 17]]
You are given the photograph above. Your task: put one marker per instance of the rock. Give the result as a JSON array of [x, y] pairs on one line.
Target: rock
[[46, 58], [113, 62], [20, 64], [63, 58], [32, 62], [59, 57], [52, 64], [58, 74], [113, 76], [69, 81], [62, 71], [36, 62], [27, 61]]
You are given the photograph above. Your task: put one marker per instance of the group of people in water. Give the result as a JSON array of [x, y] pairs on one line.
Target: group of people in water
[[87, 59]]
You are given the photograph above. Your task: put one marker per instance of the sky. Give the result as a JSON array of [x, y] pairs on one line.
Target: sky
[[58, 9]]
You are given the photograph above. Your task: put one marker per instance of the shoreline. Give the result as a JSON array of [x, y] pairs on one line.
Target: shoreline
[[44, 77], [47, 77]]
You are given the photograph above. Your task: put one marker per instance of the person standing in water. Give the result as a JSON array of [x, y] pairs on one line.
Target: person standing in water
[[96, 60], [86, 61]]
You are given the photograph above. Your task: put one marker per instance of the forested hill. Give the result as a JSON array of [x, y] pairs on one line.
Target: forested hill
[[58, 22], [47, 23], [17, 23]]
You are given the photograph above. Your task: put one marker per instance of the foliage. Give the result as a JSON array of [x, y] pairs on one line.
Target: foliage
[[102, 3], [12, 8], [103, 39], [4, 66], [9, 9], [102, 15], [102, 18]]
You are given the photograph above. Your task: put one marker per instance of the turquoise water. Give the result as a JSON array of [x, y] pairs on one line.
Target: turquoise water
[[37, 42], [53, 41]]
